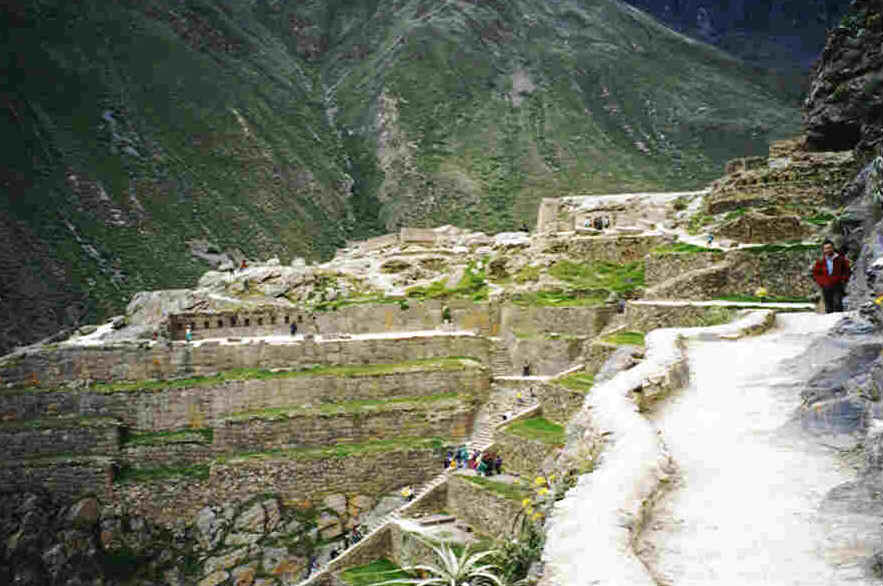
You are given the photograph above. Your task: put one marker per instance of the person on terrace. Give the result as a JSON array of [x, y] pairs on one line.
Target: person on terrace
[[831, 273]]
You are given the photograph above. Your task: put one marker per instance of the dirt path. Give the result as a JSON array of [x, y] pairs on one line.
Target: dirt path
[[744, 506]]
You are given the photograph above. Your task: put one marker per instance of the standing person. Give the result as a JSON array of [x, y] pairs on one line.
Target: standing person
[[831, 273], [293, 328], [498, 464], [188, 334], [448, 457], [243, 265], [710, 239]]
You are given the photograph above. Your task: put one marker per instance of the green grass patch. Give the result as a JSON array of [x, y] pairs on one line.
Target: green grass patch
[[342, 450], [352, 301], [473, 285], [434, 364], [581, 382], [376, 572], [128, 474], [733, 214], [681, 248], [164, 438], [514, 492], [698, 222], [344, 407], [625, 339], [820, 219], [528, 273], [600, 275], [560, 298], [775, 248], [538, 428]]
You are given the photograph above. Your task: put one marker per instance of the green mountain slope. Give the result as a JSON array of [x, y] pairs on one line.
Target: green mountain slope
[[286, 127]]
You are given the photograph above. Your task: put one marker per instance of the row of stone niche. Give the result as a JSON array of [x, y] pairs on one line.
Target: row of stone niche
[[180, 324]]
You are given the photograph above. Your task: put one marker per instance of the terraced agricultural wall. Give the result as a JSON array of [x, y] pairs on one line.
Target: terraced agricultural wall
[[173, 408], [55, 364], [297, 480], [575, 321], [782, 271], [450, 419]]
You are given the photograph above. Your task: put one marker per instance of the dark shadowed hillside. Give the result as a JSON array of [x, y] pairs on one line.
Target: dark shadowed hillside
[[136, 133]]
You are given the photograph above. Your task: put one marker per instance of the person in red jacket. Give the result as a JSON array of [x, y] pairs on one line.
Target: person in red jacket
[[832, 272]]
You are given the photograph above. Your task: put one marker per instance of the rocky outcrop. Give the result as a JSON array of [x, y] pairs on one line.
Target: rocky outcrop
[[844, 107]]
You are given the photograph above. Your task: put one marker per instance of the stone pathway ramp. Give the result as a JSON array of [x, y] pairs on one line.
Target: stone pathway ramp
[[744, 508], [591, 531]]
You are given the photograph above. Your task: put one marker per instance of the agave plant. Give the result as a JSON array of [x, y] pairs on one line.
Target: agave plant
[[451, 570]]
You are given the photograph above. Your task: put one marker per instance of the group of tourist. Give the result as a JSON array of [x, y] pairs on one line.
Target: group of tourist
[[598, 223], [486, 463]]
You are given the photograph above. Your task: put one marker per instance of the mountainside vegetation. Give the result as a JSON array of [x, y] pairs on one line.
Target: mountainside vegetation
[[145, 141]]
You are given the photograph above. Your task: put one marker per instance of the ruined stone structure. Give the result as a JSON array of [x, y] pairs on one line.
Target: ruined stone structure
[[370, 388]]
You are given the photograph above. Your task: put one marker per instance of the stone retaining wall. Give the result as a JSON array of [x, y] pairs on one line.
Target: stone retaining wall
[[576, 321], [451, 419], [64, 479], [661, 267], [486, 511], [523, 456], [616, 249], [784, 272], [167, 409], [32, 441], [547, 356], [644, 317], [56, 364], [296, 480], [174, 455]]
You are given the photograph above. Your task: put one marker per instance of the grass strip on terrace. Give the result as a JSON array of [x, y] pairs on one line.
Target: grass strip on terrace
[[241, 374], [683, 248], [625, 339], [343, 407], [341, 450], [774, 248], [513, 492], [581, 382], [539, 429], [593, 298], [164, 438], [621, 278], [128, 474], [377, 572], [767, 299]]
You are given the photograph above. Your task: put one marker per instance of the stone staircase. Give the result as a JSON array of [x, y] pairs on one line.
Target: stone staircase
[[501, 363], [481, 439]]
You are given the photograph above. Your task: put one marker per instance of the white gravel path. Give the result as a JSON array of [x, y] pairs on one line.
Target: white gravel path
[[745, 507]]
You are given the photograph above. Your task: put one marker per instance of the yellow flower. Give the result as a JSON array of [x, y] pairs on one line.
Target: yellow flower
[[529, 510], [879, 300], [761, 292], [537, 516], [525, 503], [539, 481], [542, 491], [551, 478]]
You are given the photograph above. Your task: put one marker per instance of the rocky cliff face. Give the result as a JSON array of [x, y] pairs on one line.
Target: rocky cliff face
[[844, 108]]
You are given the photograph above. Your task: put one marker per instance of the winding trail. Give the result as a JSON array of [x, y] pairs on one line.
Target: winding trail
[[714, 487], [745, 506]]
